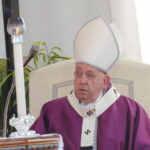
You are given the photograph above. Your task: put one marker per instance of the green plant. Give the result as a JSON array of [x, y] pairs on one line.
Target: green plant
[[47, 56], [42, 58]]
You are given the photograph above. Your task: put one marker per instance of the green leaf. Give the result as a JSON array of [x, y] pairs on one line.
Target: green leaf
[[35, 58], [55, 54], [5, 79], [39, 43], [56, 48], [44, 58], [3, 65], [42, 50]]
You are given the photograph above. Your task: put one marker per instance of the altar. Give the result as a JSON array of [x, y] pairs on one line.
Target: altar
[[41, 142]]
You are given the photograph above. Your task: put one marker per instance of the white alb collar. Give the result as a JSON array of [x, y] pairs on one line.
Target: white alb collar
[[101, 105]]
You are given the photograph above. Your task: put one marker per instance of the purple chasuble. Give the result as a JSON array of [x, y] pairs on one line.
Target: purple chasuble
[[123, 126]]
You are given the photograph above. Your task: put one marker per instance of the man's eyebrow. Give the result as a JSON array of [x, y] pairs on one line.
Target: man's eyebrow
[[78, 68]]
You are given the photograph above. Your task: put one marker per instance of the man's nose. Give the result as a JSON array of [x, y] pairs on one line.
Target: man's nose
[[83, 78]]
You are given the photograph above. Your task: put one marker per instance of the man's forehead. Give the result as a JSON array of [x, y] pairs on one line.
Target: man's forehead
[[78, 64], [86, 66], [82, 65]]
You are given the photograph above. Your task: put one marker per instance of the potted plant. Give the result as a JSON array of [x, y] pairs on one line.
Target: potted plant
[[42, 58]]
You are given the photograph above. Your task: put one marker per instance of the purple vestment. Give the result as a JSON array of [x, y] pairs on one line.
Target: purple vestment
[[123, 126]]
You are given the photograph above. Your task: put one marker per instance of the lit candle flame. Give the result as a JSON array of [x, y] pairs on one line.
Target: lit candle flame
[[17, 30]]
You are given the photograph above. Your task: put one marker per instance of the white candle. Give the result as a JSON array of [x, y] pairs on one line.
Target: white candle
[[19, 78], [15, 28]]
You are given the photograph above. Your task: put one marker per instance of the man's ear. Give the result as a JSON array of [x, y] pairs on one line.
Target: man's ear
[[106, 81]]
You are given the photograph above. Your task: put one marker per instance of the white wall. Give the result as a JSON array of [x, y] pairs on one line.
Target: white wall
[[2, 38], [143, 19], [57, 21], [123, 14]]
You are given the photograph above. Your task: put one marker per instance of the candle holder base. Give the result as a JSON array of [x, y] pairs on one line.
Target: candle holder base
[[22, 125]]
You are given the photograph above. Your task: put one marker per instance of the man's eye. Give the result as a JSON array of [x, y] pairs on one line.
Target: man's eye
[[90, 76], [78, 74]]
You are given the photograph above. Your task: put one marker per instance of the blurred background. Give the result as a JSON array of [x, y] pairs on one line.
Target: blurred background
[[57, 21]]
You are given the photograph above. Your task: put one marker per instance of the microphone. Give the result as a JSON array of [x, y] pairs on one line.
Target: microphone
[[33, 52]]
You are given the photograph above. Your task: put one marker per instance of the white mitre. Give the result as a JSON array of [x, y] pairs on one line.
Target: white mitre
[[98, 44]]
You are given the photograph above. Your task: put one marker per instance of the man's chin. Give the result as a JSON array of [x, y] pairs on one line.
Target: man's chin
[[82, 98], [82, 95]]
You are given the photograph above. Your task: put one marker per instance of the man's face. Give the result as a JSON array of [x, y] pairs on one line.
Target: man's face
[[89, 82]]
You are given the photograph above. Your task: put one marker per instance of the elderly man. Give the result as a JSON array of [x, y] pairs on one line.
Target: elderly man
[[94, 116]]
